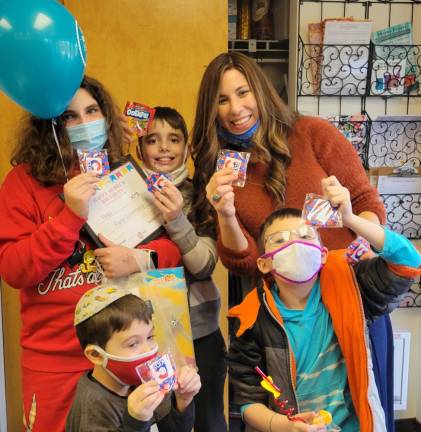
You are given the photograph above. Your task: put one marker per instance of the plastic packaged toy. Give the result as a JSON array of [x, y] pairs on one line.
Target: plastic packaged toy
[[161, 369], [356, 250], [235, 160], [94, 161], [319, 212]]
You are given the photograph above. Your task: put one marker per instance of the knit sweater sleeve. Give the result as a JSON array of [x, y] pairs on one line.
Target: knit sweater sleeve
[[30, 248], [338, 157], [198, 252], [239, 262]]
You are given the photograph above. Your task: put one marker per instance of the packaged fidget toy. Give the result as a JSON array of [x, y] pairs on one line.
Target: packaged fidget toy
[[139, 117], [235, 160], [156, 181], [94, 161], [318, 211], [161, 369], [356, 250]]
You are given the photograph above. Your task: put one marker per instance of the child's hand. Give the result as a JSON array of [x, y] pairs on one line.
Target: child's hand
[[78, 191], [169, 201], [308, 416], [220, 193], [188, 385], [116, 260], [304, 427], [128, 135], [143, 400], [338, 196]]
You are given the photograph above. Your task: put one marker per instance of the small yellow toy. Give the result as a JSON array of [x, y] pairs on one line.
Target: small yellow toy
[[270, 387], [323, 417]]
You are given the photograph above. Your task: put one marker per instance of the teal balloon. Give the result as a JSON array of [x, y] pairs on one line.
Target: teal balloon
[[42, 55]]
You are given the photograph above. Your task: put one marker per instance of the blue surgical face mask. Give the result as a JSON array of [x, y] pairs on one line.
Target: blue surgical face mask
[[90, 136], [244, 140]]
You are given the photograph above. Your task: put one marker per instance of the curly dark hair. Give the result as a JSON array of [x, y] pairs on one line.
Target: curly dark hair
[[37, 148]]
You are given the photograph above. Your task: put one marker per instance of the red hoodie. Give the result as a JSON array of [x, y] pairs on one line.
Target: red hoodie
[[38, 233]]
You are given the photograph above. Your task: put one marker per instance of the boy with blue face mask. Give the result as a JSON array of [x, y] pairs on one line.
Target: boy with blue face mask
[[116, 333], [305, 324]]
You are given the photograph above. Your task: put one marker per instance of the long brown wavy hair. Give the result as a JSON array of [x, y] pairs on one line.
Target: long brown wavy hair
[[37, 148], [270, 140]]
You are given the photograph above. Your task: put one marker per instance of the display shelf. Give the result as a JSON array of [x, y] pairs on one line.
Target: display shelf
[[358, 70], [393, 143], [394, 70], [332, 70], [263, 51], [356, 129], [403, 213]]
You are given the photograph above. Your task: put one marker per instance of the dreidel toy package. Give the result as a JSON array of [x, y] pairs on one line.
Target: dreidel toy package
[[319, 212], [94, 161], [235, 160]]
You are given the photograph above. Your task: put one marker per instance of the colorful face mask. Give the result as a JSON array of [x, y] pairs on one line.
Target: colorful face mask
[[125, 369], [297, 261], [90, 136]]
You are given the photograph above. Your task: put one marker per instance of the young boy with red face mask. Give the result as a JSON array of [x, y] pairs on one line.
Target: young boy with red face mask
[[115, 330], [305, 325]]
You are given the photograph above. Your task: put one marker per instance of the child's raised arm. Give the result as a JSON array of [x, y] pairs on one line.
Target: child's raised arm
[[339, 196]]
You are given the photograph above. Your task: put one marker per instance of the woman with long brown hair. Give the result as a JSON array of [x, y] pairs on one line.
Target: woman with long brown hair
[[44, 203], [238, 108]]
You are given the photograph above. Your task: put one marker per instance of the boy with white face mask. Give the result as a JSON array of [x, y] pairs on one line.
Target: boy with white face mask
[[305, 325], [115, 330]]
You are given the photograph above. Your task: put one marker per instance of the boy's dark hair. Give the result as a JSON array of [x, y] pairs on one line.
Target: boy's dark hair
[[117, 316], [284, 213], [173, 118]]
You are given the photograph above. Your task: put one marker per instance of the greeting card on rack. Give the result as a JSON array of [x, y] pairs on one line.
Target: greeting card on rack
[[394, 65], [354, 129], [345, 57]]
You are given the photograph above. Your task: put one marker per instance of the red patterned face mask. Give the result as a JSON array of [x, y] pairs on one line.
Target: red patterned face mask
[[125, 369]]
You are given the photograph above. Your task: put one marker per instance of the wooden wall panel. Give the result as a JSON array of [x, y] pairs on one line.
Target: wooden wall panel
[[153, 51], [10, 117]]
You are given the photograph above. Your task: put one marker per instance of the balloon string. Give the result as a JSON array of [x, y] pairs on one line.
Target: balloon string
[[53, 123], [79, 45]]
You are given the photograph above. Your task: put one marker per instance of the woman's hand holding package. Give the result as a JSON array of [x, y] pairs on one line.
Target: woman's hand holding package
[[220, 193], [169, 201], [78, 191], [143, 400]]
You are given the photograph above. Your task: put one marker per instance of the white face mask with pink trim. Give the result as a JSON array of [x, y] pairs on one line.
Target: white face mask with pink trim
[[297, 261]]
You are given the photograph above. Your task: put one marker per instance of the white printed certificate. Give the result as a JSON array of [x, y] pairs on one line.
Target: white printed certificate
[[122, 208]]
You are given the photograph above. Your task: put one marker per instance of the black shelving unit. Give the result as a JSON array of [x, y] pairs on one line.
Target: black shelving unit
[[359, 70], [392, 143], [372, 72], [263, 51], [404, 213]]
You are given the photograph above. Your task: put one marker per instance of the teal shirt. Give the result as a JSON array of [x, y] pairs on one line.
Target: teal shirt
[[321, 373]]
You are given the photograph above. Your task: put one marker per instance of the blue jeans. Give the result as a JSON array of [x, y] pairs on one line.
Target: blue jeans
[[381, 338]]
